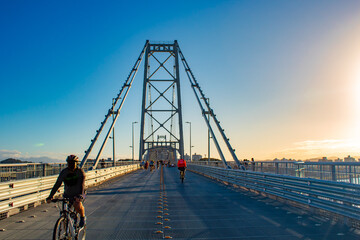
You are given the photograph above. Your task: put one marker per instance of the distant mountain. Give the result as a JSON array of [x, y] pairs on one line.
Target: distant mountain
[[13, 160], [44, 160], [33, 160]]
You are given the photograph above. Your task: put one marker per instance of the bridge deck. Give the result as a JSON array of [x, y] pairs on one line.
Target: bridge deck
[[198, 209]]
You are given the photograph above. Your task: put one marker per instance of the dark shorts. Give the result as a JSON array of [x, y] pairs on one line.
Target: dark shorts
[[72, 198], [182, 168]]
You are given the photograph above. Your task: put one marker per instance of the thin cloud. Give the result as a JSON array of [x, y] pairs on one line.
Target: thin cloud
[[317, 148], [4, 154], [322, 144]]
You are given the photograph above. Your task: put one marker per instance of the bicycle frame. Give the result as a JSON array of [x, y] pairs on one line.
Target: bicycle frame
[[182, 175], [66, 212]]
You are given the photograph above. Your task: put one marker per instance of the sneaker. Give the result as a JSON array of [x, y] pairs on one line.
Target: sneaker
[[82, 222]]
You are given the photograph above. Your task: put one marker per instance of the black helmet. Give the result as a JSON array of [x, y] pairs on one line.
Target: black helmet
[[72, 158]]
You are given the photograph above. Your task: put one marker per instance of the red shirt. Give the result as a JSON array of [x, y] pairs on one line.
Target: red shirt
[[181, 163]]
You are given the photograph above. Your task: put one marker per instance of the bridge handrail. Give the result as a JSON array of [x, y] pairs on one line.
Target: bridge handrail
[[18, 195], [19, 171], [332, 171], [336, 197]]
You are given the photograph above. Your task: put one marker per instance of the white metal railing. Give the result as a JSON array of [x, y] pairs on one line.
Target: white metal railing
[[18, 194], [18, 171], [337, 197], [331, 171]]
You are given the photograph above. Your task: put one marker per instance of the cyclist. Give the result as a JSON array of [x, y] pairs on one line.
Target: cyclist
[[181, 166], [74, 186]]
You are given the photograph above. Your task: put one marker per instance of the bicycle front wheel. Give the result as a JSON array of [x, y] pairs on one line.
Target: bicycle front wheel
[[60, 229], [81, 234]]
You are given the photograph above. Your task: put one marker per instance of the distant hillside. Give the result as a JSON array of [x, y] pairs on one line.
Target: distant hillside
[[12, 160]]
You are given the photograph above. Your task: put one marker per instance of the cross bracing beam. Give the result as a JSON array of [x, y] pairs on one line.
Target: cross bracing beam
[[161, 125], [121, 96], [197, 91], [160, 109]]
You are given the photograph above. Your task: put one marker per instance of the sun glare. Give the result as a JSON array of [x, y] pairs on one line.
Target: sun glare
[[357, 93], [356, 129], [357, 90]]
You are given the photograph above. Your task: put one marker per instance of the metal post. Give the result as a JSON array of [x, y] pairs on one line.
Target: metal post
[[208, 100], [190, 142], [133, 140], [321, 172], [113, 136], [333, 172], [350, 175], [44, 170], [177, 82]]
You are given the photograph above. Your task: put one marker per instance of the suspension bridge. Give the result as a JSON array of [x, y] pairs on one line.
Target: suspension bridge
[[226, 201]]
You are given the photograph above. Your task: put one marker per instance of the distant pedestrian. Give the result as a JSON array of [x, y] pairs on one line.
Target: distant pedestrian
[[151, 165], [142, 164]]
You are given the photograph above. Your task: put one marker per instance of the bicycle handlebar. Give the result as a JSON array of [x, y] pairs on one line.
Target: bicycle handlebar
[[60, 200]]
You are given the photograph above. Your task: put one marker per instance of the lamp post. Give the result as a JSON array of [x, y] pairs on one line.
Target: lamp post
[[133, 140], [190, 142], [208, 113], [113, 131]]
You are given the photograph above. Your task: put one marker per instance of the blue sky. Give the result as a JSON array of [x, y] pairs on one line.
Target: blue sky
[[282, 76]]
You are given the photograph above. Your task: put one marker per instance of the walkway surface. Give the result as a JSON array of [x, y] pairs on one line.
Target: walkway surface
[[140, 206]]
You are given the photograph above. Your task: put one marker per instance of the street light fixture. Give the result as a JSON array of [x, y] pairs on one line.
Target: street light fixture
[[208, 113], [190, 142], [133, 140]]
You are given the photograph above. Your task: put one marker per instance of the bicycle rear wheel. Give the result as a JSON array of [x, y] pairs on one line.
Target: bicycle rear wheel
[[60, 229]]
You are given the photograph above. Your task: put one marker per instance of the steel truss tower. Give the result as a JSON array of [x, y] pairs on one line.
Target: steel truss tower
[[161, 130], [161, 116]]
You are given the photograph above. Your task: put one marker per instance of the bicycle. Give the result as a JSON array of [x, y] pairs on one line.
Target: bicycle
[[67, 226], [182, 176]]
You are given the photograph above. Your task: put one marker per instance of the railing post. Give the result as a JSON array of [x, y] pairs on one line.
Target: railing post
[[350, 175], [333, 173], [277, 168], [298, 170], [321, 172], [44, 169], [356, 178]]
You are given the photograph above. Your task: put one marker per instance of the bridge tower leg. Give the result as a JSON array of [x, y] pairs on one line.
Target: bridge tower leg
[[161, 115]]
